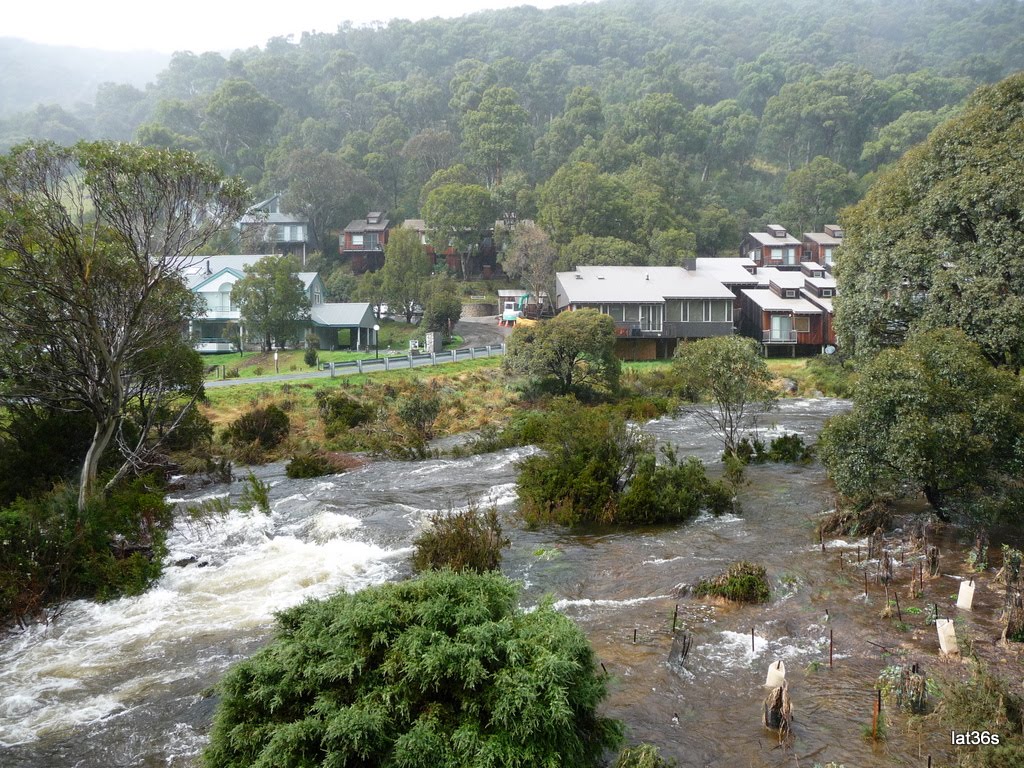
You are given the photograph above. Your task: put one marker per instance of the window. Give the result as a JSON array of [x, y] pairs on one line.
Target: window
[[826, 293], [631, 313], [789, 293], [357, 239], [674, 309], [790, 256], [717, 311], [776, 254], [802, 324], [782, 328], [373, 241], [614, 311], [651, 317], [316, 297], [695, 311], [828, 255]]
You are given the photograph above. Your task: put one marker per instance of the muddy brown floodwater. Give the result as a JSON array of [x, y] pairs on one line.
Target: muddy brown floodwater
[[126, 683]]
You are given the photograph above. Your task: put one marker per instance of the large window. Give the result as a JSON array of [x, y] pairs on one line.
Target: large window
[[651, 316], [357, 239], [717, 311], [802, 324], [776, 254], [782, 328], [790, 256]]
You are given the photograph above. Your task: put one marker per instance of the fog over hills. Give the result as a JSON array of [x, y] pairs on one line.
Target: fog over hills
[[32, 74]]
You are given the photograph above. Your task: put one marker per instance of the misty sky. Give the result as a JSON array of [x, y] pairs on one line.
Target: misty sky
[[212, 25]]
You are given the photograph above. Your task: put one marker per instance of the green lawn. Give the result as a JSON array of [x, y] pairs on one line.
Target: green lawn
[[394, 340]]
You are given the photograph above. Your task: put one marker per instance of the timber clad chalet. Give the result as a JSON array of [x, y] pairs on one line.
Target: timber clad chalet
[[363, 241], [774, 248], [821, 246]]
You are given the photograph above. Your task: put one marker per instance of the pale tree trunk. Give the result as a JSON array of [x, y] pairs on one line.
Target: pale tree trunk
[[90, 467]]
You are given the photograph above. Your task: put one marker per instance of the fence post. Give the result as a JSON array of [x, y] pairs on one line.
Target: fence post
[[472, 353], [433, 358], [387, 363], [455, 354], [359, 365], [332, 369]]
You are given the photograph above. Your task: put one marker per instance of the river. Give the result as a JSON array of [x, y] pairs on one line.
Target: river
[[128, 683]]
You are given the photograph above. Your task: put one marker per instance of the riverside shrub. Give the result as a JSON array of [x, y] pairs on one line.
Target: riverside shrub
[[596, 468], [468, 540], [50, 552], [743, 583], [442, 671], [267, 426]]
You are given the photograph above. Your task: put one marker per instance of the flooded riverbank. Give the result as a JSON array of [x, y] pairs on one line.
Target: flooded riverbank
[[128, 682]]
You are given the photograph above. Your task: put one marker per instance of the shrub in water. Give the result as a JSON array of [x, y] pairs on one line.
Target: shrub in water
[[310, 464], [267, 426], [671, 493], [444, 671], [255, 495], [641, 756], [743, 583], [50, 552], [469, 540]]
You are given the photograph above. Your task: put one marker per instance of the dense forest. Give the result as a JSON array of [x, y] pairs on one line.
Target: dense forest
[[632, 131]]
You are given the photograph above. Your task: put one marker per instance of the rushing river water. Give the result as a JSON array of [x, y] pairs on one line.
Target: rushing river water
[[128, 683]]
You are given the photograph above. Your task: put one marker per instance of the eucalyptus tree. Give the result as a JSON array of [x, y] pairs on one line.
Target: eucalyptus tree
[[93, 240]]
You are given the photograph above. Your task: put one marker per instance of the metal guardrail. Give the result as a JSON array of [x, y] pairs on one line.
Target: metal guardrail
[[412, 360], [770, 337]]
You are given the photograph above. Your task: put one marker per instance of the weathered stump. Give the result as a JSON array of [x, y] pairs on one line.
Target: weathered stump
[[778, 710]]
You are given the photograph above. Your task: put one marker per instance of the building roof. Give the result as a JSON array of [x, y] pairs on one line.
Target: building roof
[[347, 315], [821, 282], [783, 278], [729, 271], [638, 285], [269, 212], [823, 238], [203, 269], [766, 238], [825, 304], [772, 302], [307, 278], [417, 224], [374, 222]]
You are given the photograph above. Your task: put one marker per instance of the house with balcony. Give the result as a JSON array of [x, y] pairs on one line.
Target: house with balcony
[[773, 248], [363, 241], [820, 246], [213, 279], [278, 231], [653, 308], [790, 312]]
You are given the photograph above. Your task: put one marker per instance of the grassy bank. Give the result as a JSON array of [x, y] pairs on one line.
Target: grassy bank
[[394, 339], [469, 397]]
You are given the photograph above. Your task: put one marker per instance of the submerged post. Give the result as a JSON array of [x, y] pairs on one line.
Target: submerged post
[[830, 649], [675, 617], [752, 640]]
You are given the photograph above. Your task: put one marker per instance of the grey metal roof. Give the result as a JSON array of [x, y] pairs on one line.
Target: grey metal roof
[[307, 278], [766, 238], [728, 270], [771, 302], [362, 225], [782, 278], [347, 315], [638, 285], [823, 238]]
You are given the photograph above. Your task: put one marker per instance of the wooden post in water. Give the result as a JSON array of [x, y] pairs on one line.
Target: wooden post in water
[[865, 582], [675, 617], [878, 712], [830, 648], [634, 635], [752, 640]]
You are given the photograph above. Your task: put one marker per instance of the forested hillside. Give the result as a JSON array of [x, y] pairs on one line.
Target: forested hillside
[[630, 130], [32, 74]]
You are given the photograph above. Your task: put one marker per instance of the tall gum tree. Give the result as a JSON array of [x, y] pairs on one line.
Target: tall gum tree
[[93, 240]]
